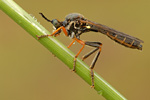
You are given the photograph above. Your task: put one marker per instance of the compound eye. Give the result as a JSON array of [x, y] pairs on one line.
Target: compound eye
[[56, 23]]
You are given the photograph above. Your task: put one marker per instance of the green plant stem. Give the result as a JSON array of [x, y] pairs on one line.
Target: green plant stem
[[30, 24]]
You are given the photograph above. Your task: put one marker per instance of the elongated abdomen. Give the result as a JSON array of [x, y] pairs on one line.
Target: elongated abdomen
[[127, 41], [120, 37]]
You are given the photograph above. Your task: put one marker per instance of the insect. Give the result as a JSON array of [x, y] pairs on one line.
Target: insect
[[76, 24]]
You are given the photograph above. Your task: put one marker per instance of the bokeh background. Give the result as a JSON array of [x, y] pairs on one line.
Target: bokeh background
[[28, 71]]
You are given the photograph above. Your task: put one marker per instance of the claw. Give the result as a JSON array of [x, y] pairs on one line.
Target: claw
[[42, 36], [38, 37], [92, 86], [73, 70]]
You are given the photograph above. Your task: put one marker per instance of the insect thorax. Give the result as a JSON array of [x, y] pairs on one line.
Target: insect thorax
[[73, 25], [75, 28]]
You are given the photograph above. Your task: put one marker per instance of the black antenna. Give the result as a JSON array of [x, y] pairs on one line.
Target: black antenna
[[45, 17]]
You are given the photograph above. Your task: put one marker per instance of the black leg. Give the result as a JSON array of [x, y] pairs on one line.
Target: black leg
[[88, 54], [98, 46]]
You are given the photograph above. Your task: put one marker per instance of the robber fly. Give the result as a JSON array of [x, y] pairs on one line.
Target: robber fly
[[76, 24]]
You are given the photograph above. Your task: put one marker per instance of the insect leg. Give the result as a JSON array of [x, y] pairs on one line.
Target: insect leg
[[97, 45], [88, 54], [71, 44], [62, 27], [83, 44]]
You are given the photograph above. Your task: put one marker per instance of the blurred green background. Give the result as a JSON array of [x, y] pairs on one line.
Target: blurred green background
[[28, 71]]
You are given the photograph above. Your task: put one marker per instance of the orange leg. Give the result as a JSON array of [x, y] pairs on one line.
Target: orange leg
[[97, 45], [71, 43], [82, 43], [64, 30], [54, 33]]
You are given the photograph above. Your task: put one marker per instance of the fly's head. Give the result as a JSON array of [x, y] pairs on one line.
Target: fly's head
[[56, 23]]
